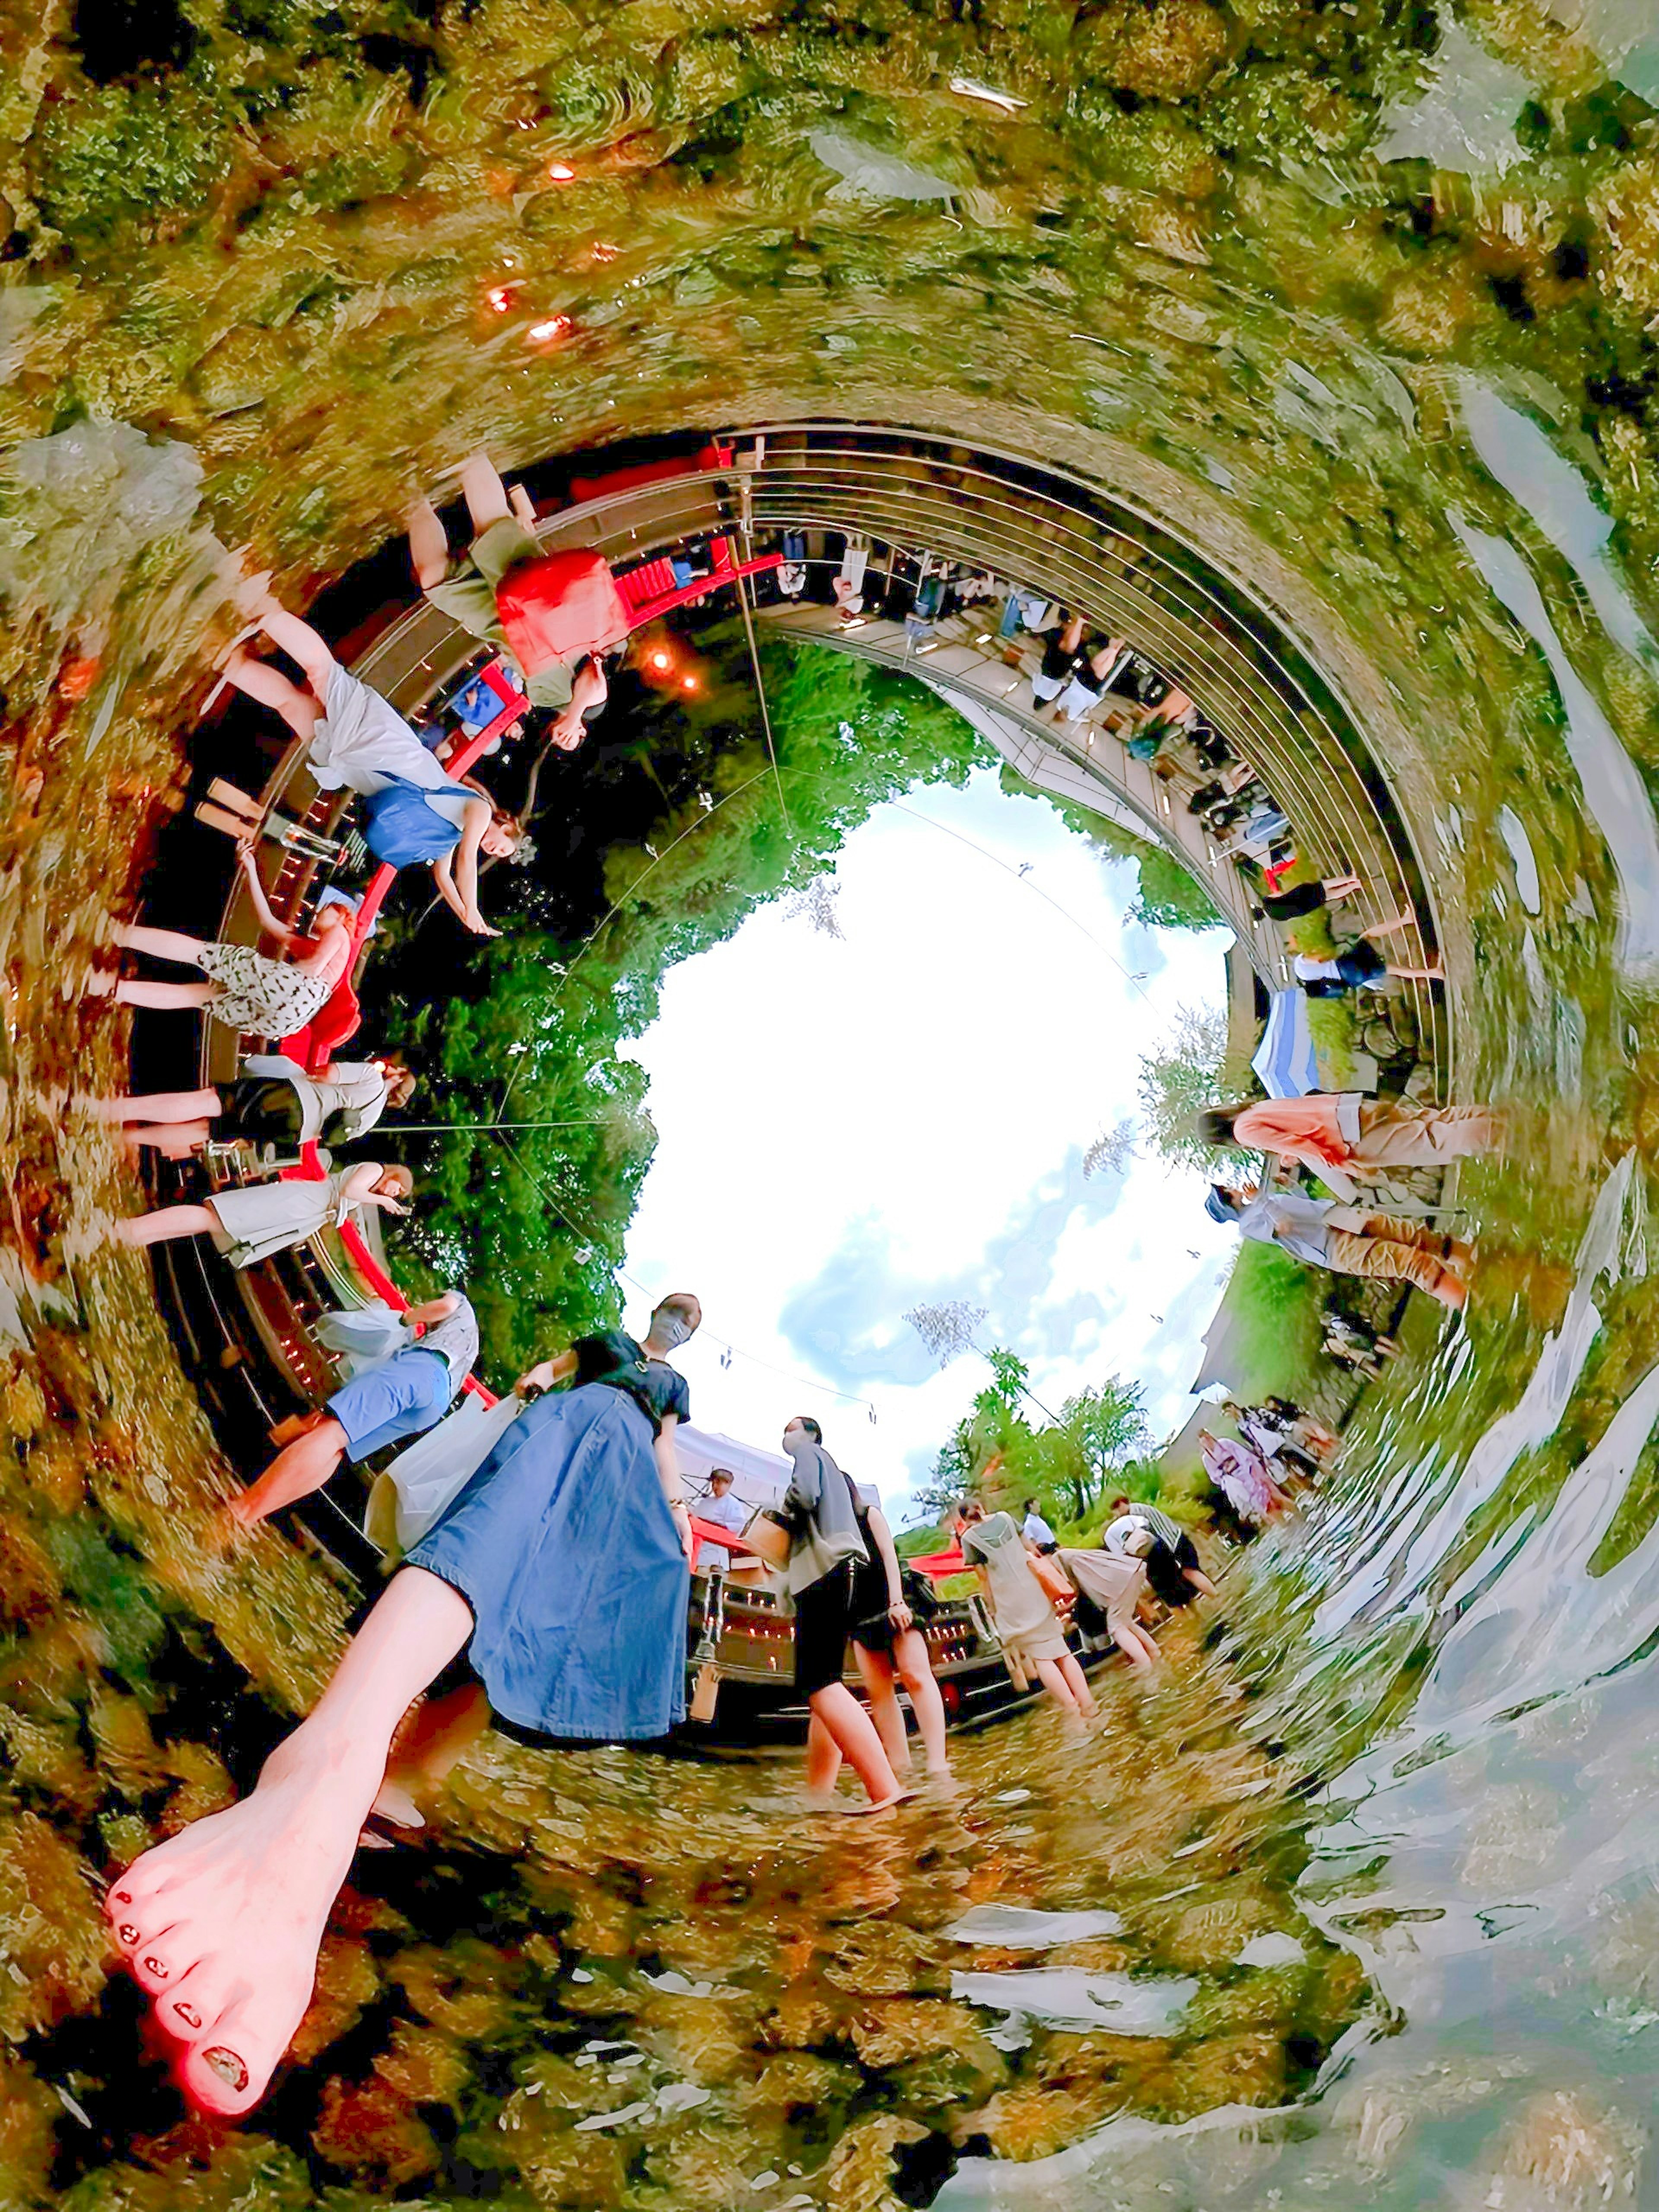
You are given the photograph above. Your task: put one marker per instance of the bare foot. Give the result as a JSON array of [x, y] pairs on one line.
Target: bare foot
[[220, 1926], [850, 1806]]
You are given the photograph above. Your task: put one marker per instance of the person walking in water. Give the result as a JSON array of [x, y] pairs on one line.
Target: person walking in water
[[1346, 1138], [274, 1102], [506, 590], [826, 1548], [246, 989], [560, 1569], [889, 1648], [355, 740], [1349, 1240], [249, 1222], [1022, 1611], [391, 1401]]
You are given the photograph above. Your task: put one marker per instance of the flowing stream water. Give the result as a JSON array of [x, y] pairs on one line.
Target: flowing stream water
[[1361, 1903]]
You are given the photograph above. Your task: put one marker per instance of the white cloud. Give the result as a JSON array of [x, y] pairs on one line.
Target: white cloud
[[846, 1127]]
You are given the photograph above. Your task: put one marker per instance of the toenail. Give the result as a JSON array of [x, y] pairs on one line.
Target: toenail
[[155, 1967], [189, 2014], [127, 1933], [227, 2066], [124, 1897]]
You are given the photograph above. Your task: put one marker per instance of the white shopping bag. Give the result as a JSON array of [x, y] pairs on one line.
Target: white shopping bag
[[362, 1337], [410, 1494]]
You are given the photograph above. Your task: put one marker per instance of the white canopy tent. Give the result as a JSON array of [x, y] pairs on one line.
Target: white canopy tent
[[759, 1478]]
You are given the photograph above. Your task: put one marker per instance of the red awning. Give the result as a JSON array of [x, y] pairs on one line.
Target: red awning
[[938, 1565]]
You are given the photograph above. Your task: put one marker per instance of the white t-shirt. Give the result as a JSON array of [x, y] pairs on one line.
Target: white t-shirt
[[1036, 1529], [1309, 970], [728, 1512]]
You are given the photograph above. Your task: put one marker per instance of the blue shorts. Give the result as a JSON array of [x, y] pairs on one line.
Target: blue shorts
[[394, 1401]]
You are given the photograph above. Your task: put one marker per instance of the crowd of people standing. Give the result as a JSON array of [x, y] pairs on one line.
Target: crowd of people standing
[[542, 1569]]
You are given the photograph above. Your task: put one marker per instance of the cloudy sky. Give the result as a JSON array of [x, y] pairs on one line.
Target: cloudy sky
[[853, 1126]]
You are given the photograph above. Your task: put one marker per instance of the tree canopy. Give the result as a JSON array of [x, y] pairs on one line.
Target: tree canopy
[[1001, 1455], [535, 1218]]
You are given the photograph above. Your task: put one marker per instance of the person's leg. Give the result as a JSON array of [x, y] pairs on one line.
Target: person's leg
[[258, 679], [822, 1759], [1077, 1682], [157, 1106], [165, 1224], [302, 643], [177, 1141], [298, 1469], [429, 547], [139, 991], [910, 1654], [1199, 1581], [1054, 1682], [221, 1924], [855, 1738], [1136, 1646], [876, 1672], [484, 493], [1403, 920], [1396, 1134], [1382, 1259], [443, 1731], [160, 944]]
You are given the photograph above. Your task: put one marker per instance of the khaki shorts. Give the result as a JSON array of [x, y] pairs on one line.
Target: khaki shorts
[[467, 596]]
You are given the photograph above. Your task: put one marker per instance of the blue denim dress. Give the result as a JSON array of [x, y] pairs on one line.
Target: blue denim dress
[[563, 1546], [402, 823]]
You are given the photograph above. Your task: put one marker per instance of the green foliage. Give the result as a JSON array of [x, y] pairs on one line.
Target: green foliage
[[1171, 897], [127, 151], [1278, 1304], [535, 1220], [1067, 1463], [1187, 1073], [1168, 897]]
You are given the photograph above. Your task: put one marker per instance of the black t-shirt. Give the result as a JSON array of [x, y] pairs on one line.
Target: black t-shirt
[[1059, 659], [615, 1359]]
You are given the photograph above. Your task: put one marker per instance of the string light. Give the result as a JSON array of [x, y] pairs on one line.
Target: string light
[[551, 328], [559, 173], [500, 297]]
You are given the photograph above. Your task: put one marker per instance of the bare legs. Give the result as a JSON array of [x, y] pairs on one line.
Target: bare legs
[[443, 1730], [1137, 1647], [221, 1924], [428, 548], [166, 1224], [1068, 1685], [877, 1670], [841, 1728], [176, 1122], [299, 1468]]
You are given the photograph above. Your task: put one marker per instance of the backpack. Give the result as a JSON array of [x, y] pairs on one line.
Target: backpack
[[562, 606]]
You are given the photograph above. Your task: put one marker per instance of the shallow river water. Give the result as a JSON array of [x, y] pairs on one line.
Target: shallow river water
[[1361, 1905]]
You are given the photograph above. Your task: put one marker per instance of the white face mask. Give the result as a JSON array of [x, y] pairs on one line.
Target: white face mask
[[668, 1330]]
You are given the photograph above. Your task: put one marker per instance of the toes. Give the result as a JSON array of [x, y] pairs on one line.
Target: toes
[[154, 1962], [226, 2067], [197, 1999]]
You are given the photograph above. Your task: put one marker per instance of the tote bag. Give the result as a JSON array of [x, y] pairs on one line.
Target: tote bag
[[409, 1496]]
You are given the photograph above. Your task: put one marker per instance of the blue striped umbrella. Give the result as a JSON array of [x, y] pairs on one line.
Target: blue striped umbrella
[[1284, 1061]]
